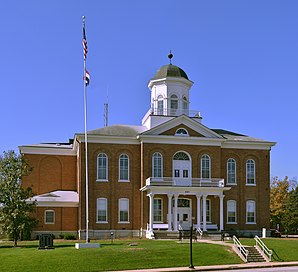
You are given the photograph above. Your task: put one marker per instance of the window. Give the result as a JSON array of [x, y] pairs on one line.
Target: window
[[184, 103], [102, 167], [250, 172], [49, 217], [124, 210], [157, 210], [250, 212], [123, 167], [181, 156], [174, 104], [157, 165], [205, 167], [231, 171], [231, 211], [160, 105], [102, 210], [181, 132]]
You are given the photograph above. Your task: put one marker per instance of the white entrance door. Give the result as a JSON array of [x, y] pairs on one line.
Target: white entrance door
[[182, 172], [184, 217]]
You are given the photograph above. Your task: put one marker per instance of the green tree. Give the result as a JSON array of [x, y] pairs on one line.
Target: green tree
[[279, 191], [291, 215], [15, 212]]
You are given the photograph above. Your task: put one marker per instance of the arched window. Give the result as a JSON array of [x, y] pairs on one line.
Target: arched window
[[250, 172], [231, 171], [205, 167], [181, 132], [174, 104], [160, 105], [123, 167], [250, 212], [231, 211], [102, 167], [181, 156], [157, 165]]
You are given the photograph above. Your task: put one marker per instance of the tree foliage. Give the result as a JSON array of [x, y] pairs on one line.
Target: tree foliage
[[15, 212], [284, 203]]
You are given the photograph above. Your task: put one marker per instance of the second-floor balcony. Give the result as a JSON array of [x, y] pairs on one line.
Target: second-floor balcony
[[187, 182]]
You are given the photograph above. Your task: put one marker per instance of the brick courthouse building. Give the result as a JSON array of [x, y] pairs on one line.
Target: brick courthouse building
[[169, 172]]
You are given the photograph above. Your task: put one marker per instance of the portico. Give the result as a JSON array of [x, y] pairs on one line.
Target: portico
[[179, 203]]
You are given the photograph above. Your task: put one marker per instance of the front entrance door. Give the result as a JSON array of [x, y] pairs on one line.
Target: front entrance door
[[184, 217]]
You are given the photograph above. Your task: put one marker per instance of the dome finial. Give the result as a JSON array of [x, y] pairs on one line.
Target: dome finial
[[170, 56]]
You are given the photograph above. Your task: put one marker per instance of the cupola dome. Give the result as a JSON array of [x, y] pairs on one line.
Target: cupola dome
[[170, 70]]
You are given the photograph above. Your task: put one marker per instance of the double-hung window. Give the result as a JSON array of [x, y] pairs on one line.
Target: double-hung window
[[250, 212], [157, 210], [102, 167], [102, 210], [157, 165], [205, 167], [123, 210], [231, 171], [49, 217], [231, 212]]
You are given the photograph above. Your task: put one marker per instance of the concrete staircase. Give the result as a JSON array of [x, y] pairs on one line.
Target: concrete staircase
[[254, 255]]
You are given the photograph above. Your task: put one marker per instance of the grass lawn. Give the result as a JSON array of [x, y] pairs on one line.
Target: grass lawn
[[284, 249], [116, 256]]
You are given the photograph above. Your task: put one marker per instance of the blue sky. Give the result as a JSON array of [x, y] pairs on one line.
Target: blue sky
[[241, 55]]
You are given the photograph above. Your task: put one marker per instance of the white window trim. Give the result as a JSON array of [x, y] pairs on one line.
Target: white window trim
[[255, 215], [119, 221], [228, 183], [209, 165], [228, 222], [107, 169], [128, 166], [161, 210], [255, 182], [45, 217], [153, 165], [102, 222]]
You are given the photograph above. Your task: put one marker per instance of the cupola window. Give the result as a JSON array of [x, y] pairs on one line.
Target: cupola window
[[160, 105], [174, 104]]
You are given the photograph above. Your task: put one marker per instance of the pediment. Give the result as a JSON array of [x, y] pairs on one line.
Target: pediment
[[194, 128]]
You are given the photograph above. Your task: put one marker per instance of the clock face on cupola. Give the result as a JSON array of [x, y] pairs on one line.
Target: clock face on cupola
[[169, 95]]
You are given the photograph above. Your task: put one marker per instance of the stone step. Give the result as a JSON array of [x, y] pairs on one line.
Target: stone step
[[254, 255]]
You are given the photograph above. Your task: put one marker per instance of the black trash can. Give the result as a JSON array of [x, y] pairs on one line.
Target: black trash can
[[46, 241]]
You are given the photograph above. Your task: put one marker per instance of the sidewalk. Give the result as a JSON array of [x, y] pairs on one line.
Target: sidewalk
[[218, 267]]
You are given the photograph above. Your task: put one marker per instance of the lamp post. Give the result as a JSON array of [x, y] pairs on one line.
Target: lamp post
[[190, 249]]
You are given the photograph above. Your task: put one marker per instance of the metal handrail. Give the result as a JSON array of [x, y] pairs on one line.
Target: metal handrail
[[200, 232], [261, 245], [241, 248]]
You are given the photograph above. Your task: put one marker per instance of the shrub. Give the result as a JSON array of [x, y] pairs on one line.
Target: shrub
[[69, 236]]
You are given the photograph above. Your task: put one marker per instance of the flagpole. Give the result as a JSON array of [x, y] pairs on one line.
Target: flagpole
[[86, 144]]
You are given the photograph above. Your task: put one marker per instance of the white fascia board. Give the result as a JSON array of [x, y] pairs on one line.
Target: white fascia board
[[164, 80], [180, 140], [184, 190], [56, 204], [106, 139], [47, 150], [248, 145]]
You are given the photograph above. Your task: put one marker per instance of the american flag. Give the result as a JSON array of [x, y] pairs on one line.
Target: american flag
[[87, 78], [84, 41]]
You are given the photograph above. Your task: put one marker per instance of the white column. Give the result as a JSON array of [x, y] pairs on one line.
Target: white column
[[170, 212], [151, 196], [175, 211], [221, 211], [198, 211], [204, 213]]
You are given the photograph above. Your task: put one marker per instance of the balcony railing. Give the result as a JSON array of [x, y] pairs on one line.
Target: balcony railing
[[173, 112], [181, 182]]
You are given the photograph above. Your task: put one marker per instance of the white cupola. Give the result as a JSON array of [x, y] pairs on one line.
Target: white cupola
[[169, 95]]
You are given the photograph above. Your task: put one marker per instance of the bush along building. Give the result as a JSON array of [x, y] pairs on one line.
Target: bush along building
[[170, 172]]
